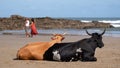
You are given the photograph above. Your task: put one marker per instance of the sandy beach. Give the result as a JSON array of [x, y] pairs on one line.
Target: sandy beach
[[107, 57]]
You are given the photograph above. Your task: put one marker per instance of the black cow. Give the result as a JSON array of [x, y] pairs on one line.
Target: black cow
[[83, 50]]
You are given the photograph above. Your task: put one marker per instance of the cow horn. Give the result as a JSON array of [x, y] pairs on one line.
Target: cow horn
[[103, 31], [88, 32], [64, 33]]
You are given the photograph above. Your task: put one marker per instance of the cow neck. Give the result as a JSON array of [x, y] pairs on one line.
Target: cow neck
[[53, 42], [94, 46]]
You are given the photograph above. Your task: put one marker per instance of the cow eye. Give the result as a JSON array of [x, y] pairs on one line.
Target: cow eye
[[56, 37]]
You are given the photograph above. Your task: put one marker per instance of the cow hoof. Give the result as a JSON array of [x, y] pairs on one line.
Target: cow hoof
[[94, 59]]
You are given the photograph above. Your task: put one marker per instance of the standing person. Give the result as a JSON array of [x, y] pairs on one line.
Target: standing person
[[33, 28], [27, 27]]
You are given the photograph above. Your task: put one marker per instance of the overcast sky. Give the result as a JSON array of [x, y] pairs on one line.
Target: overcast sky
[[60, 8]]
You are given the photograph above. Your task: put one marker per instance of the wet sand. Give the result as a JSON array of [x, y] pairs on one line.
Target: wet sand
[[107, 57]]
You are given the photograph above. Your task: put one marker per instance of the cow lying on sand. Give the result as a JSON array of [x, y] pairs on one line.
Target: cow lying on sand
[[35, 51], [83, 50]]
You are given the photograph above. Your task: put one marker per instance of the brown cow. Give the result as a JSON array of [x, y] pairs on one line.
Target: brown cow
[[35, 51]]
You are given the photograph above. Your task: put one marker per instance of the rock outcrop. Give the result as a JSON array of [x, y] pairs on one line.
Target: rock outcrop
[[16, 22]]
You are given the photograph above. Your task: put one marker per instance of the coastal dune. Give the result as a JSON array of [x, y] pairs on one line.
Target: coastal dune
[[108, 56]]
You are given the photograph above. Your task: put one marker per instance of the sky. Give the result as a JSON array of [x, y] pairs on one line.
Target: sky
[[60, 8]]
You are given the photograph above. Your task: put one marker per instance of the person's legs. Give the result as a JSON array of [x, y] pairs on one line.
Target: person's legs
[[27, 30]]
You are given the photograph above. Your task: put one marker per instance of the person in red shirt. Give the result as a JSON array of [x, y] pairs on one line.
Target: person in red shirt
[[33, 28]]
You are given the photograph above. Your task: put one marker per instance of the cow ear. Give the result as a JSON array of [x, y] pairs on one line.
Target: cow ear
[[52, 38], [63, 38]]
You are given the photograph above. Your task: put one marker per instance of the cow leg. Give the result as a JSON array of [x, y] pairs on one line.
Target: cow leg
[[89, 56], [37, 56], [23, 54], [89, 59]]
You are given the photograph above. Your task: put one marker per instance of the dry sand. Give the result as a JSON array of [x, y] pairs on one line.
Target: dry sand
[[108, 56]]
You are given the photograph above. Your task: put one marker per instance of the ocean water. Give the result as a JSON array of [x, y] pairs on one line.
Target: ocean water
[[94, 18], [113, 21]]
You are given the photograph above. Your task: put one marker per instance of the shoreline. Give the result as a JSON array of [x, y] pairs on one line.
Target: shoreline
[[72, 32], [10, 34]]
